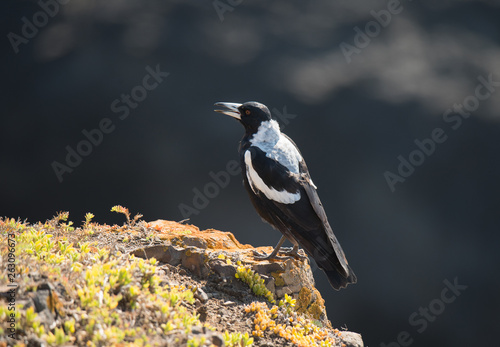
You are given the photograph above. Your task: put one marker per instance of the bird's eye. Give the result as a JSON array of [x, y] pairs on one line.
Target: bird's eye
[[247, 112]]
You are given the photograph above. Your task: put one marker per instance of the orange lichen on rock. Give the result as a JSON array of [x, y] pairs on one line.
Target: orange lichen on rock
[[214, 239]]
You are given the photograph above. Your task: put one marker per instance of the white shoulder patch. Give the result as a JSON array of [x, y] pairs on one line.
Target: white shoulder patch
[[256, 183], [276, 146]]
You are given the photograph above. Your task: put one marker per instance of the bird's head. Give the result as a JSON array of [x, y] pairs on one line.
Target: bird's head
[[251, 114]]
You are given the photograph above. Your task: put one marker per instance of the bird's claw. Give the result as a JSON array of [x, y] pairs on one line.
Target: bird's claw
[[287, 251], [265, 256], [294, 253], [257, 254]]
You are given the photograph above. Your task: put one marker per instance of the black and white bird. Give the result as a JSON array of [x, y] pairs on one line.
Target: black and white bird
[[281, 190]]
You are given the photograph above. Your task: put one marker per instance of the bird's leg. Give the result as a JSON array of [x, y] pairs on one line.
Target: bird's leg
[[294, 252], [273, 254]]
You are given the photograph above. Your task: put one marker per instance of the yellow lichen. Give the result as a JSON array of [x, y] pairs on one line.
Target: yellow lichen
[[278, 279], [305, 297], [317, 308]]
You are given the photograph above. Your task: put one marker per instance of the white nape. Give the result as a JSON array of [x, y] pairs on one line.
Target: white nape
[[276, 146]]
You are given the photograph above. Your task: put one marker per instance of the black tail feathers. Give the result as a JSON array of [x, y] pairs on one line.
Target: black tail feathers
[[338, 281]]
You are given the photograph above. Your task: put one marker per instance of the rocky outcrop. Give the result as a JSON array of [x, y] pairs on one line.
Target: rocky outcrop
[[212, 252]]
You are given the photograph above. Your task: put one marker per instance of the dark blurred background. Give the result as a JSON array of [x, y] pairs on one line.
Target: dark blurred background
[[352, 113]]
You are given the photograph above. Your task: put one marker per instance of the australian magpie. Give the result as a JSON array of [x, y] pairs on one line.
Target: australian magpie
[[281, 190]]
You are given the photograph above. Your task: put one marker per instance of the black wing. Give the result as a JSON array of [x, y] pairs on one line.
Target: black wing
[[304, 220]]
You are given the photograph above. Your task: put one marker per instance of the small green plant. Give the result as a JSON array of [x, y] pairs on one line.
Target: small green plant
[[65, 247], [254, 281], [196, 342], [58, 338], [84, 247], [132, 295], [125, 211], [288, 303], [237, 339], [69, 326], [61, 216], [30, 316], [87, 223], [88, 219]]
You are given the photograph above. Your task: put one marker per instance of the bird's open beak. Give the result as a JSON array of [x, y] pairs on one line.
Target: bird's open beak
[[232, 109]]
